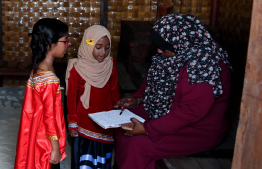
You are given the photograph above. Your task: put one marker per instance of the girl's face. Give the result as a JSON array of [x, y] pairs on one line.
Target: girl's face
[[166, 53], [59, 49], [101, 49]]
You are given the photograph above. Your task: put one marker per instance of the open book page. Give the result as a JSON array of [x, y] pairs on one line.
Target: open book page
[[112, 119]]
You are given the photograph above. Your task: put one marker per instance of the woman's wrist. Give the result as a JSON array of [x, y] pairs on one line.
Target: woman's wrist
[[139, 101]]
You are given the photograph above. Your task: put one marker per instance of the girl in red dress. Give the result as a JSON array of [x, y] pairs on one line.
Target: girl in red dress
[[41, 135], [92, 84]]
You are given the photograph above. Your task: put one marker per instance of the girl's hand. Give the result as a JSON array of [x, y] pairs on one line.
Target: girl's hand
[[55, 156], [136, 129], [132, 102], [73, 133]]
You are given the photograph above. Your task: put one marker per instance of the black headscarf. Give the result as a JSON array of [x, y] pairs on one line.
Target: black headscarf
[[186, 36]]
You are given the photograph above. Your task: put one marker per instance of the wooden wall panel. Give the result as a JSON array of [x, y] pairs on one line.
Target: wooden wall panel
[[248, 145], [234, 21]]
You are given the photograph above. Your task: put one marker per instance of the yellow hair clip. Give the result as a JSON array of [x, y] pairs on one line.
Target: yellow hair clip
[[90, 42]]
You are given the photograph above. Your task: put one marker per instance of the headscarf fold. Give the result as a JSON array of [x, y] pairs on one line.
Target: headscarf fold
[[192, 44], [93, 72]]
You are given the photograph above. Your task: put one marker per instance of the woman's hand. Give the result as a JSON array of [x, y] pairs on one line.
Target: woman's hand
[[123, 102], [73, 133], [137, 128], [55, 156]]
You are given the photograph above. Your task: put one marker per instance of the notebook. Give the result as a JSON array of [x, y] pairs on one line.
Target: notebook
[[112, 119]]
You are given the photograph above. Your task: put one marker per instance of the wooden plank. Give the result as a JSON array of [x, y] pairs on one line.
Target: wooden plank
[[193, 163], [181, 163], [213, 163], [214, 13], [104, 13], [60, 69], [160, 164], [248, 145], [1, 31], [14, 71]]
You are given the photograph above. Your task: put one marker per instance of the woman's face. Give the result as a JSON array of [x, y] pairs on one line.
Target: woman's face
[[101, 49], [166, 53]]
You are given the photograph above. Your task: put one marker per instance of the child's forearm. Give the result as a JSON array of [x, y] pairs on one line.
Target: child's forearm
[[54, 144], [55, 154]]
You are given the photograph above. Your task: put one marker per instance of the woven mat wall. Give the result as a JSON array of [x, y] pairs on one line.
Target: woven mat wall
[[201, 8], [146, 10], [141, 10], [19, 16]]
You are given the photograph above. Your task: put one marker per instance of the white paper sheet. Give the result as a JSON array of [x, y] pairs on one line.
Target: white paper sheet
[[112, 119]]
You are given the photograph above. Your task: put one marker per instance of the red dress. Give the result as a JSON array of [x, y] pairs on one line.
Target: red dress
[[42, 120], [101, 99], [196, 122]]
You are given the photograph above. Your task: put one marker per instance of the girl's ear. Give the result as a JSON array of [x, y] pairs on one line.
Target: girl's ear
[[49, 48]]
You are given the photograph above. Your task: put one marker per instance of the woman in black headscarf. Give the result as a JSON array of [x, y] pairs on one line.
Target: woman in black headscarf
[[183, 100]]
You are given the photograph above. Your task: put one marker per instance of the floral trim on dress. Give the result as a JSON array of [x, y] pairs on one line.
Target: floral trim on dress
[[95, 135], [72, 125]]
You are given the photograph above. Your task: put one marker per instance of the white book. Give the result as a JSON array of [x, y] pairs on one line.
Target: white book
[[113, 119]]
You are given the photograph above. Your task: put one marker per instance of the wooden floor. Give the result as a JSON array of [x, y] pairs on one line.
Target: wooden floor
[[194, 163]]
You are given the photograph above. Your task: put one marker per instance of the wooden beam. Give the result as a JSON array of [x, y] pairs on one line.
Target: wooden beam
[[248, 145], [1, 31], [104, 13], [214, 13]]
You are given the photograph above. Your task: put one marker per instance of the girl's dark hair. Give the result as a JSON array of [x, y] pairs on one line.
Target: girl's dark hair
[[46, 32]]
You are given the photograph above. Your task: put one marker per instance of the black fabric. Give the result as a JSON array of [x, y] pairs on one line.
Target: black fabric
[[55, 166], [75, 153], [160, 42], [91, 149]]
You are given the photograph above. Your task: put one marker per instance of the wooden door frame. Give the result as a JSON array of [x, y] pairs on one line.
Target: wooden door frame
[[248, 145], [104, 13], [1, 30]]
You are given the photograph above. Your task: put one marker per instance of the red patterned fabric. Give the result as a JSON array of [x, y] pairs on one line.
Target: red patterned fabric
[[42, 119], [101, 99]]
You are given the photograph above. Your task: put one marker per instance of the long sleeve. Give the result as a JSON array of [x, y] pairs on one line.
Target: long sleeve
[[73, 86], [49, 96], [42, 118], [141, 90], [195, 103], [113, 85]]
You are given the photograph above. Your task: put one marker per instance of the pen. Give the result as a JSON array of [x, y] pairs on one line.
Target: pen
[[124, 107]]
